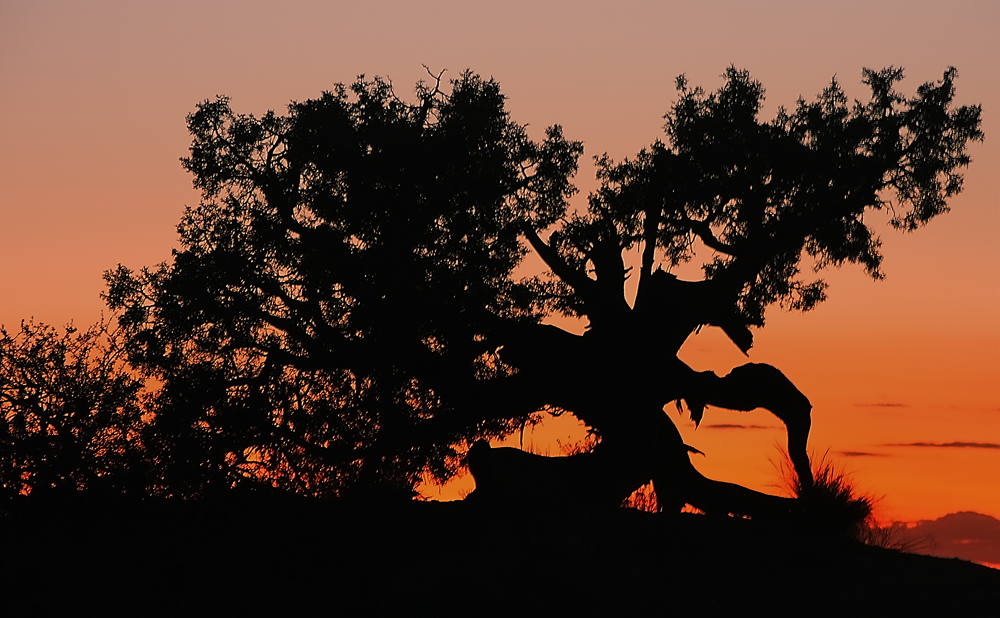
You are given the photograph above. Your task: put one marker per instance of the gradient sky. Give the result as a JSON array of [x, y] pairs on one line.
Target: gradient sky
[[904, 374]]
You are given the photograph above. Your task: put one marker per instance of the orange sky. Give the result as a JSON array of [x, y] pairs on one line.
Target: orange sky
[[92, 104]]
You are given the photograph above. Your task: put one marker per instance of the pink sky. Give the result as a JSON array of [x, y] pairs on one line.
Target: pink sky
[[92, 104]]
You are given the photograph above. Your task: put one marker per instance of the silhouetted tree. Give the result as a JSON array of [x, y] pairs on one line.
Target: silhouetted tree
[[345, 312], [71, 414]]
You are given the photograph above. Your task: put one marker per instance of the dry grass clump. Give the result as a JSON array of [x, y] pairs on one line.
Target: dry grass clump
[[834, 504]]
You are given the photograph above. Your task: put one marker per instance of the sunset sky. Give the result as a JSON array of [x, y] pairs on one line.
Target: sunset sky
[[903, 374]]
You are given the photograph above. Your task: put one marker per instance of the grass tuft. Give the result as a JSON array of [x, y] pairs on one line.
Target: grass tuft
[[833, 503]]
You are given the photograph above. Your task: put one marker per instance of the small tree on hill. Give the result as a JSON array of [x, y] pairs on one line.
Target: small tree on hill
[[70, 414], [344, 314]]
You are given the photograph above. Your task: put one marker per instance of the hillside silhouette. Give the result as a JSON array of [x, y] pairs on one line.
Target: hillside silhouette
[[432, 559]]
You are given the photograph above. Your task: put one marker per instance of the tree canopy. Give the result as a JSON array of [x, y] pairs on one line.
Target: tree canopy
[[345, 265], [346, 312]]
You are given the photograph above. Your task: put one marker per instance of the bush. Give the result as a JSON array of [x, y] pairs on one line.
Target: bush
[[70, 413]]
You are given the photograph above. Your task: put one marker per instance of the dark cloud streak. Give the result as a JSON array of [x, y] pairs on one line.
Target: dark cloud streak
[[986, 445]]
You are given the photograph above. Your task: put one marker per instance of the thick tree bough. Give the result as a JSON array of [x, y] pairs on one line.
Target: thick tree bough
[[512, 477], [753, 386], [603, 478]]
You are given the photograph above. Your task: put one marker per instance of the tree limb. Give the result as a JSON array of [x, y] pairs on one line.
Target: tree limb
[[580, 282], [704, 231], [752, 386]]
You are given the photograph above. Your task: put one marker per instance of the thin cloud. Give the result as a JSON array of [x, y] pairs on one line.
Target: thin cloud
[[987, 445], [736, 426], [862, 454]]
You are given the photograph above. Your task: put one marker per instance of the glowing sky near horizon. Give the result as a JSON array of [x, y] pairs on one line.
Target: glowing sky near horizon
[[93, 98]]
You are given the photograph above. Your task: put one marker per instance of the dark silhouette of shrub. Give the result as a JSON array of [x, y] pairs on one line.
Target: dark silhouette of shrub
[[71, 413]]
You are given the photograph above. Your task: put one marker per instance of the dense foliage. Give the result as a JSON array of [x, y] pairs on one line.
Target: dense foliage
[[71, 414], [346, 261], [764, 195]]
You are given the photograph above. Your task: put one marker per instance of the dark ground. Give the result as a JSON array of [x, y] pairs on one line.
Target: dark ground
[[253, 557]]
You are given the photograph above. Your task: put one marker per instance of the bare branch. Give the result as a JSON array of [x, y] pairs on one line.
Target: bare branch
[[583, 284], [704, 232]]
